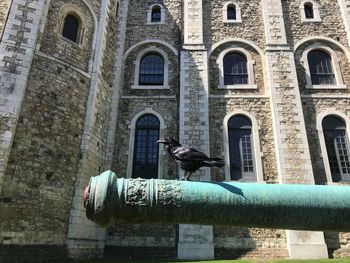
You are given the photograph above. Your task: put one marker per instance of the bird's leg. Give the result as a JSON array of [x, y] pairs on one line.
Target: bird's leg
[[184, 178], [188, 177]]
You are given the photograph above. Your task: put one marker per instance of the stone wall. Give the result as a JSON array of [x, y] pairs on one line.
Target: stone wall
[[331, 24], [138, 30], [43, 162], [341, 58], [4, 9], [53, 43], [251, 28]]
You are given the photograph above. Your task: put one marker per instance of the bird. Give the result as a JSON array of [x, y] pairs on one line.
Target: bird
[[187, 158]]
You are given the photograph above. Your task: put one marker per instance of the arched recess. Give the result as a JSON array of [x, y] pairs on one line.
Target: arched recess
[[255, 141], [132, 129], [324, 154]]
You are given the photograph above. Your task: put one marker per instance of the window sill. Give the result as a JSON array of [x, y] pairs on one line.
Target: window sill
[[325, 86], [237, 21], [155, 23], [311, 20], [71, 41], [149, 87], [240, 86]]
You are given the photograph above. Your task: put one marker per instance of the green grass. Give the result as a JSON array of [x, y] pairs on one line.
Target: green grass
[[343, 260]]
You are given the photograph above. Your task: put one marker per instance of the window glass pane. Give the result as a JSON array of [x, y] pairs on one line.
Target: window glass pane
[[309, 10], [156, 14], [235, 69], [145, 162], [151, 70], [337, 145], [70, 28], [320, 64], [231, 12], [240, 147]]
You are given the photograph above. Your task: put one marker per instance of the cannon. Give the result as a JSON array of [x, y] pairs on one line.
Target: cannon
[[109, 199]]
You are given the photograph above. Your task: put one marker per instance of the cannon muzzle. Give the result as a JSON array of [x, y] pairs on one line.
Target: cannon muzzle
[[109, 200]]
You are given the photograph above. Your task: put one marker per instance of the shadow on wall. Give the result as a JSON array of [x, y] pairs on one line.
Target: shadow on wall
[[232, 242]]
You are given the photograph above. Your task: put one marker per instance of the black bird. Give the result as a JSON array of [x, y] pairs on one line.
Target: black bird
[[189, 159]]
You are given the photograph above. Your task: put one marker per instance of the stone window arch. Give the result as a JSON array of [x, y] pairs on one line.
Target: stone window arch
[[156, 15], [322, 69], [152, 126], [73, 24], [236, 69], [309, 12], [242, 147], [232, 13], [333, 130], [151, 69]]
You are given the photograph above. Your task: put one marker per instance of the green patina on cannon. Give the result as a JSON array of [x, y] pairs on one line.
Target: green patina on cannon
[[109, 200]]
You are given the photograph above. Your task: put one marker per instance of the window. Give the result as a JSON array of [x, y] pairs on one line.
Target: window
[[156, 14], [321, 71], [337, 145], [240, 148], [309, 11], [151, 70], [145, 160], [231, 12], [71, 28], [235, 69]]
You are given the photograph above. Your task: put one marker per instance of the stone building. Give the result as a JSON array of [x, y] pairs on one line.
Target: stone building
[[89, 85]]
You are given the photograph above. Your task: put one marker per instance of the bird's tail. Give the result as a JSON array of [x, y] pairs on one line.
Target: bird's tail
[[216, 162]]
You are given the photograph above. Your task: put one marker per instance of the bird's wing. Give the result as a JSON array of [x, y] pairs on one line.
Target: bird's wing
[[185, 153]]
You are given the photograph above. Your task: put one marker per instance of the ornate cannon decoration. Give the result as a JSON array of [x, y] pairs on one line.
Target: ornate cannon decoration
[[109, 199]]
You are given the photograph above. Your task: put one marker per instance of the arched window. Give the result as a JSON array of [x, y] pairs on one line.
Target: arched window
[[151, 70], [156, 14], [309, 10], [337, 145], [231, 12], [241, 148], [145, 161], [71, 27], [235, 69], [321, 71]]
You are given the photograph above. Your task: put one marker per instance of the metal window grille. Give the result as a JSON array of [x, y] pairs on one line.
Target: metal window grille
[[337, 145], [235, 69], [321, 70], [145, 162], [240, 148], [151, 70]]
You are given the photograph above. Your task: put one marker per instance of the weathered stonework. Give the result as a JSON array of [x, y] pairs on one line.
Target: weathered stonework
[[4, 9], [68, 111], [251, 28]]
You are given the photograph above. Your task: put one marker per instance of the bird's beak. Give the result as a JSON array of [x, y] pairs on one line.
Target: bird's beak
[[161, 141]]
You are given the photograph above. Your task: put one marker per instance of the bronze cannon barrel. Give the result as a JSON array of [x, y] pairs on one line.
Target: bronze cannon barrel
[[109, 199]]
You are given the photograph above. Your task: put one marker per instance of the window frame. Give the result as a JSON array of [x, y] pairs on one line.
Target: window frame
[[316, 12], [162, 15], [73, 10], [255, 141], [324, 153], [137, 69], [132, 133], [238, 13], [250, 70], [339, 84]]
